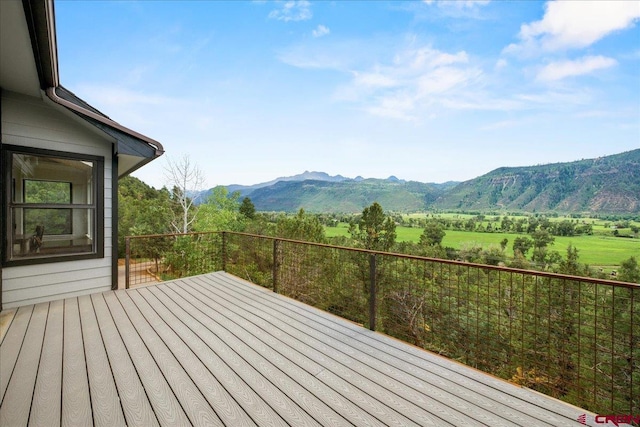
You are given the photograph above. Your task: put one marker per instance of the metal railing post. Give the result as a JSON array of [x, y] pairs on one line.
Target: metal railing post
[[224, 251], [274, 271], [127, 261], [372, 292]]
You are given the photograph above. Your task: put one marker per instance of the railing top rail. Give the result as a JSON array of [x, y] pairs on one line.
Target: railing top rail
[[147, 236], [416, 257]]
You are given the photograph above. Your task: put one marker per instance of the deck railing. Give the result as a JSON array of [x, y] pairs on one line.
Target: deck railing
[[574, 338]]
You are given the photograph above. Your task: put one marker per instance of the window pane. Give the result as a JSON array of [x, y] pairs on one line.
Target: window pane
[[44, 179], [54, 221], [47, 192], [50, 232], [53, 208]]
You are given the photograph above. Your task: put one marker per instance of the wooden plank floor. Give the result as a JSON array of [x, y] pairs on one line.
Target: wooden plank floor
[[216, 350]]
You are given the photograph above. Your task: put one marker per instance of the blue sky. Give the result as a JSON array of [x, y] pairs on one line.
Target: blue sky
[[430, 91]]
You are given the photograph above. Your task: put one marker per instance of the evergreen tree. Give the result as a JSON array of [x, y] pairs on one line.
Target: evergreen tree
[[375, 230], [629, 271], [247, 208]]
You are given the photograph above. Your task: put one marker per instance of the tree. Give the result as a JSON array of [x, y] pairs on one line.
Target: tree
[[220, 212], [247, 208], [570, 265], [541, 239], [185, 179], [565, 228], [301, 227], [629, 271], [141, 210], [493, 255], [375, 230], [506, 223], [433, 234], [522, 245]]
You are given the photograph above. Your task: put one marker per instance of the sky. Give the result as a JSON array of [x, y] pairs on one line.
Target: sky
[[429, 91]]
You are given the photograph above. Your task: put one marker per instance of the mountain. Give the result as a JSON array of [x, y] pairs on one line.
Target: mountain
[[245, 190], [346, 196], [607, 184]]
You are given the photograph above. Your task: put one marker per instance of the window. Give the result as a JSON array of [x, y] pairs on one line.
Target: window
[[53, 204]]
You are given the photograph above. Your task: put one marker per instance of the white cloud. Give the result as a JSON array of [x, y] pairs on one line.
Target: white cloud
[[417, 59], [337, 54], [459, 4], [444, 79], [292, 11], [396, 106], [563, 69], [464, 4], [576, 24], [415, 80], [373, 79], [320, 31], [504, 124], [113, 96]]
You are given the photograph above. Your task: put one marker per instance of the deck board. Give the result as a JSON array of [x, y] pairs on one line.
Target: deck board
[[389, 407], [11, 346], [430, 387], [219, 399], [300, 369], [248, 400], [17, 400], [76, 400], [196, 407], [518, 404], [276, 346], [166, 406], [341, 359], [107, 410], [217, 350], [45, 408], [134, 400], [258, 372]]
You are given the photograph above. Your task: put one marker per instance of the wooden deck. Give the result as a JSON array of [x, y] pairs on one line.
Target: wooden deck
[[216, 350]]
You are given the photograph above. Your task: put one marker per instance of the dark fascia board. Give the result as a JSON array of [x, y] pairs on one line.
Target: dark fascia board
[[80, 107], [40, 21]]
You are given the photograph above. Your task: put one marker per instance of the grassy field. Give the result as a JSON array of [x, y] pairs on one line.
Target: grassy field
[[598, 250], [600, 226]]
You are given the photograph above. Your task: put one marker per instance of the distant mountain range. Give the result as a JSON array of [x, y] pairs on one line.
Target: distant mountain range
[[604, 185]]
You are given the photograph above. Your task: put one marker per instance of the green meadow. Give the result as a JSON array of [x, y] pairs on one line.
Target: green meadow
[[598, 250]]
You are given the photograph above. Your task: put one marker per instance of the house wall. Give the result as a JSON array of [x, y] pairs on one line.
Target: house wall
[[32, 122]]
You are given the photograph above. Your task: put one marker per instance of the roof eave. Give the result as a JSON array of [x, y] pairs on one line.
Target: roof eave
[[51, 93]]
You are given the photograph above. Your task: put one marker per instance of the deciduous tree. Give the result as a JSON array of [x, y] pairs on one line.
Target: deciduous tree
[[186, 180], [433, 233]]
